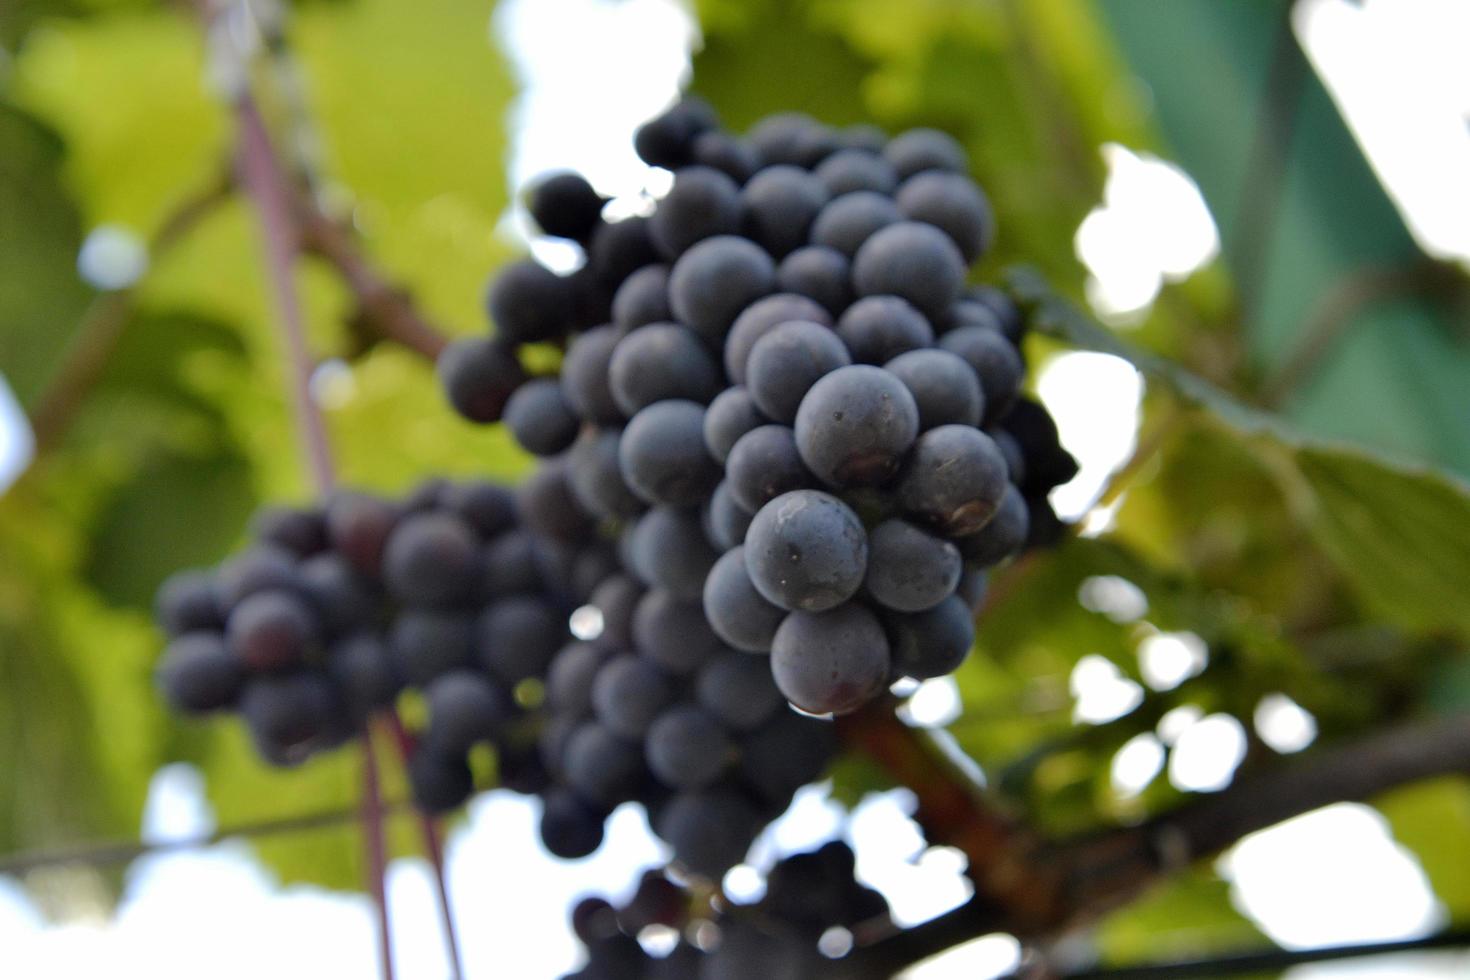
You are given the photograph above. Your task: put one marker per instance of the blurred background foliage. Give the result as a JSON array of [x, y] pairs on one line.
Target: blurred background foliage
[[1321, 552]]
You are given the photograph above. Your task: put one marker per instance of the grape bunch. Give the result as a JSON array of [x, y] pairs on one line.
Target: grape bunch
[[781, 395], [811, 898], [334, 611]]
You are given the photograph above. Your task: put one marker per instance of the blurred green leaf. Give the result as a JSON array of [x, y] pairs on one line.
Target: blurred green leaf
[[1433, 820], [1189, 916]]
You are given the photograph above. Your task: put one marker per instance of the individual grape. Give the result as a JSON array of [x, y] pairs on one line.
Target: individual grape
[[673, 632], [911, 260], [786, 362], [850, 220], [186, 602], [766, 951], [731, 415], [922, 149], [488, 508], [618, 249], [569, 828], [759, 318], [952, 203], [540, 418], [596, 476], [910, 570], [1011, 450], [945, 388], [931, 643], [478, 376], [735, 609], [819, 273], [973, 588], [669, 550], [862, 136], [594, 919], [643, 298], [426, 496], [686, 748], [593, 565], [628, 693], [716, 279], [702, 203], [1047, 463], [779, 204], [659, 361], [547, 504], [806, 550], [439, 781], [785, 754], [995, 362], [584, 376], [1047, 529], [301, 532], [1002, 536], [830, 662], [855, 425], [856, 170], [709, 829], [663, 456], [876, 329], [529, 303], [763, 465], [603, 768], [510, 565], [968, 313], [564, 205], [656, 901], [591, 296], [954, 480], [667, 139], [732, 157], [198, 674], [358, 526], [569, 678], [738, 691], [263, 567], [725, 521], [431, 560], [362, 671], [793, 138], [288, 714], [517, 636], [616, 598], [271, 630], [1012, 322], [426, 643], [465, 708]]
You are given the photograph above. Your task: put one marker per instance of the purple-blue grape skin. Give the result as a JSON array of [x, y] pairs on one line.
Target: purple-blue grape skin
[[953, 480], [673, 633], [733, 157], [996, 363], [529, 303], [439, 781], [931, 643], [856, 170], [263, 567], [289, 714], [547, 505], [569, 827], [764, 464], [465, 708], [739, 691], [855, 425], [430, 559], [731, 415], [792, 138], [820, 273], [1012, 320], [565, 205], [595, 476], [917, 150], [955, 205], [945, 388], [778, 205], [912, 260], [735, 609], [362, 670], [661, 361], [686, 748], [784, 754], [426, 643], [303, 532], [616, 598], [584, 376], [806, 550], [617, 250], [197, 674], [540, 418], [1002, 537], [516, 637], [667, 139], [628, 693], [716, 279], [703, 202], [569, 677], [509, 565], [876, 329], [973, 588], [187, 602], [709, 829], [831, 662], [271, 630], [759, 318], [847, 222], [358, 526], [601, 767], [488, 507], [663, 456], [862, 136], [787, 361], [909, 569], [642, 298], [725, 521], [669, 549]]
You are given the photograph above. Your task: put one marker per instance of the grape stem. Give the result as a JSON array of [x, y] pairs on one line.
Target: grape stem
[[377, 851]]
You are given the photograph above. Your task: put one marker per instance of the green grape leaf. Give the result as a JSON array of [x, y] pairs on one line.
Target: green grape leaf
[[1432, 819]]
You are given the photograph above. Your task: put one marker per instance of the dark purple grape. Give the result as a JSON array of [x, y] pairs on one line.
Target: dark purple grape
[[271, 630], [857, 170], [763, 465], [628, 693], [186, 602], [517, 636], [465, 708], [488, 508], [478, 376], [616, 598], [362, 671], [303, 532], [263, 567], [996, 363], [289, 715], [358, 526], [955, 205], [570, 676], [945, 388], [510, 566], [584, 376], [833, 661], [663, 456], [877, 329], [710, 829], [806, 550], [716, 279], [787, 361], [660, 361], [601, 767], [1047, 463], [668, 549], [917, 150], [779, 204], [738, 690], [725, 521], [667, 139], [953, 480], [540, 418], [564, 205], [570, 828], [855, 425], [1003, 536], [735, 609], [431, 559], [909, 569], [596, 476], [424, 644], [732, 157], [198, 674], [547, 504], [731, 415], [673, 632], [973, 588], [850, 220], [785, 754], [440, 781], [931, 643], [618, 249], [686, 748], [343, 599], [702, 203], [1012, 321], [643, 298], [793, 138], [528, 303], [759, 318], [911, 260], [820, 273]]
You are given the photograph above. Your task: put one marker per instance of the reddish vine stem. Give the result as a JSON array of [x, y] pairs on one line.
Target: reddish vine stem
[[433, 848], [377, 851]]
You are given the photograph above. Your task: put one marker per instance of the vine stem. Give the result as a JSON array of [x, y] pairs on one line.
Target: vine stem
[[377, 851], [433, 849]]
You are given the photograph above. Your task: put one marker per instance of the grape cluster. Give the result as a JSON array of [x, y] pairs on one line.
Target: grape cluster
[[779, 392], [333, 611], [808, 897]]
